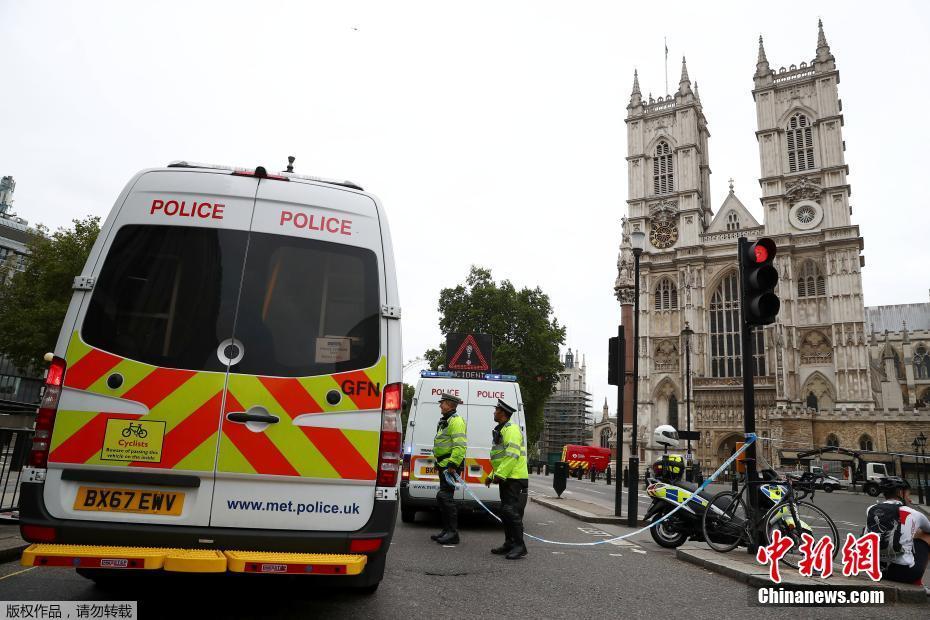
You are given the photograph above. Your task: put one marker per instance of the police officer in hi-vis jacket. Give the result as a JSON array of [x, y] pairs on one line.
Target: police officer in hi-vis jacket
[[508, 460], [449, 455]]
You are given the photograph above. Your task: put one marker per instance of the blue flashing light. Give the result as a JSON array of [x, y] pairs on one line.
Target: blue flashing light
[[497, 377], [435, 373]]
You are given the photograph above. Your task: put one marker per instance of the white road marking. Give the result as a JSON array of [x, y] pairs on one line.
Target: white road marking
[[639, 551], [558, 553], [617, 555]]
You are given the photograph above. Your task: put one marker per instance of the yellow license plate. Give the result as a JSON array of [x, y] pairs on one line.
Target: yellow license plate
[[429, 471], [129, 500]]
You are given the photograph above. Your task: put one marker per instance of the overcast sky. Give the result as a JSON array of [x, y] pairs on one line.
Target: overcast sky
[[493, 132]]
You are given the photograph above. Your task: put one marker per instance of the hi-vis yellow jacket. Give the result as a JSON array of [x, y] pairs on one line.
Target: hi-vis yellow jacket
[[508, 457], [449, 444]]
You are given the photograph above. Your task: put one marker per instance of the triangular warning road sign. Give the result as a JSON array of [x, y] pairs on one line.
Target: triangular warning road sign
[[469, 358]]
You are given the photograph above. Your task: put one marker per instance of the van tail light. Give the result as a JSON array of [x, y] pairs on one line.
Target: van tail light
[[38, 533], [364, 545], [389, 453], [45, 417], [405, 470]]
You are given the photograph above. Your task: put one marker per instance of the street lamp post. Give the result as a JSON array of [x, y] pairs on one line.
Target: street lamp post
[[638, 243], [920, 488], [923, 490], [686, 334]]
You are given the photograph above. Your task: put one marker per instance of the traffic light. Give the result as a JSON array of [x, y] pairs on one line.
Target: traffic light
[[759, 279], [613, 362]]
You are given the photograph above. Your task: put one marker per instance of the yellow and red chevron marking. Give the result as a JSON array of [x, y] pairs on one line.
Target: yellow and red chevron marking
[[187, 401], [190, 403], [578, 464], [303, 450], [486, 469]]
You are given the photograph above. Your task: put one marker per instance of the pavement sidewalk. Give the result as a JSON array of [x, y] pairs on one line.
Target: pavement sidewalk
[[743, 567], [11, 543], [588, 512]]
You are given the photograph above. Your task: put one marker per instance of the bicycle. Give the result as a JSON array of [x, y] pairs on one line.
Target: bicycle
[[727, 519], [135, 429]]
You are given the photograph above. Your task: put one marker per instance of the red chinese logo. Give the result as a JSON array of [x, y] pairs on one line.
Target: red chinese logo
[[861, 556], [817, 557], [774, 552]]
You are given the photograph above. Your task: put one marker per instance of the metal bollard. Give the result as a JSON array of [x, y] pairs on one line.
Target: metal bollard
[[560, 477], [546, 469], [607, 475], [626, 477]]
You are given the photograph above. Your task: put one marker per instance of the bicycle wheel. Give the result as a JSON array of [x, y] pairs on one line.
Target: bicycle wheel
[[806, 518], [725, 522]]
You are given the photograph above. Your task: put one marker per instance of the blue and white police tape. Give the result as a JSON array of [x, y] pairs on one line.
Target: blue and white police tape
[[750, 438]]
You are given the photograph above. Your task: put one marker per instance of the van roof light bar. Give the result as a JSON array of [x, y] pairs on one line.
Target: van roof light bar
[[252, 172]]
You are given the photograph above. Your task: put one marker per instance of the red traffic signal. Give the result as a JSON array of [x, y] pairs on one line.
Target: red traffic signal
[[759, 278]]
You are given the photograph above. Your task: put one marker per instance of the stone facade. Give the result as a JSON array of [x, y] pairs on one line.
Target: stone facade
[[816, 367]]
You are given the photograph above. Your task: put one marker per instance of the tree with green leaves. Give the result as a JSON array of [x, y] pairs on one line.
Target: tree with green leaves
[[33, 302], [526, 336]]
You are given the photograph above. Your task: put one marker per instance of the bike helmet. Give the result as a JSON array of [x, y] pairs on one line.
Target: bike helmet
[[892, 483], [666, 435]]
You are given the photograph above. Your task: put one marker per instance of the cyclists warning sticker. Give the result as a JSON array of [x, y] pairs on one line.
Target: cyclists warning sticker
[[133, 440], [469, 352]]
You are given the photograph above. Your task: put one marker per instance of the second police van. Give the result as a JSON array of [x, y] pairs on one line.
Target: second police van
[[225, 394], [420, 479]]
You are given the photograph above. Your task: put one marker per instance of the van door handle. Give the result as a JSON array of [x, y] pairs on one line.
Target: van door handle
[[245, 416]]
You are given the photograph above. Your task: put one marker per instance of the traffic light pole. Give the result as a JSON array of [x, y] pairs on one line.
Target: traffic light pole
[[749, 401], [621, 383]]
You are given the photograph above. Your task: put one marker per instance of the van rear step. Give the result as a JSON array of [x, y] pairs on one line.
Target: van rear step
[[192, 560], [295, 563]]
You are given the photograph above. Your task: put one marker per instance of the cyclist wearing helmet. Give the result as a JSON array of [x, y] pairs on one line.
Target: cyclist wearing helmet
[[910, 564]]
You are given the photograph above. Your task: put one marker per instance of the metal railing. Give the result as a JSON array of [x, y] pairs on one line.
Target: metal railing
[[14, 450]]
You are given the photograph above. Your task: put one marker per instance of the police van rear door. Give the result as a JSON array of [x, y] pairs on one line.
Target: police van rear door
[[135, 435], [300, 430]]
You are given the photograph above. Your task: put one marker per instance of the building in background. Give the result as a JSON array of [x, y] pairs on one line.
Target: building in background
[[16, 386], [827, 372], [567, 416]]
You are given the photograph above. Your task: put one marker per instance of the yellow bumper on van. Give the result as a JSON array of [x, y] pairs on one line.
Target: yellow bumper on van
[[192, 560]]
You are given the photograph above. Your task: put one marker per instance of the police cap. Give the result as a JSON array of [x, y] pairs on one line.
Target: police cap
[[505, 407], [450, 398]]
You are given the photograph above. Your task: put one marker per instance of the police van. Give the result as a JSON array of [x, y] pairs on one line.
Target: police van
[[225, 393], [419, 477]]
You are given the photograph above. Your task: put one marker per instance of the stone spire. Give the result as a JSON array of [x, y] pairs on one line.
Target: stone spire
[[762, 64], [905, 335], [636, 97], [606, 415], [697, 94], [623, 286], [684, 84], [823, 48]]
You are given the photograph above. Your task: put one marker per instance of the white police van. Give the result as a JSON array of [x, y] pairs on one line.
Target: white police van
[[225, 393], [419, 478]]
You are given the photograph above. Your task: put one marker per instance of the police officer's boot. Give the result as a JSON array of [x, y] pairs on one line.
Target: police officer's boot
[[449, 538], [439, 535], [519, 547], [518, 551], [505, 548]]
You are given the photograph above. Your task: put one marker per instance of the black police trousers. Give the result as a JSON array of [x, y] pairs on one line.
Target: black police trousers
[[514, 494], [448, 511]]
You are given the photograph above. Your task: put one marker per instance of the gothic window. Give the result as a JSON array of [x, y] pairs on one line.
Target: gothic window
[[800, 143], [732, 221], [833, 441], [811, 281], [605, 438], [725, 344], [865, 443], [673, 411], [811, 401], [663, 171], [666, 295], [921, 363]]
